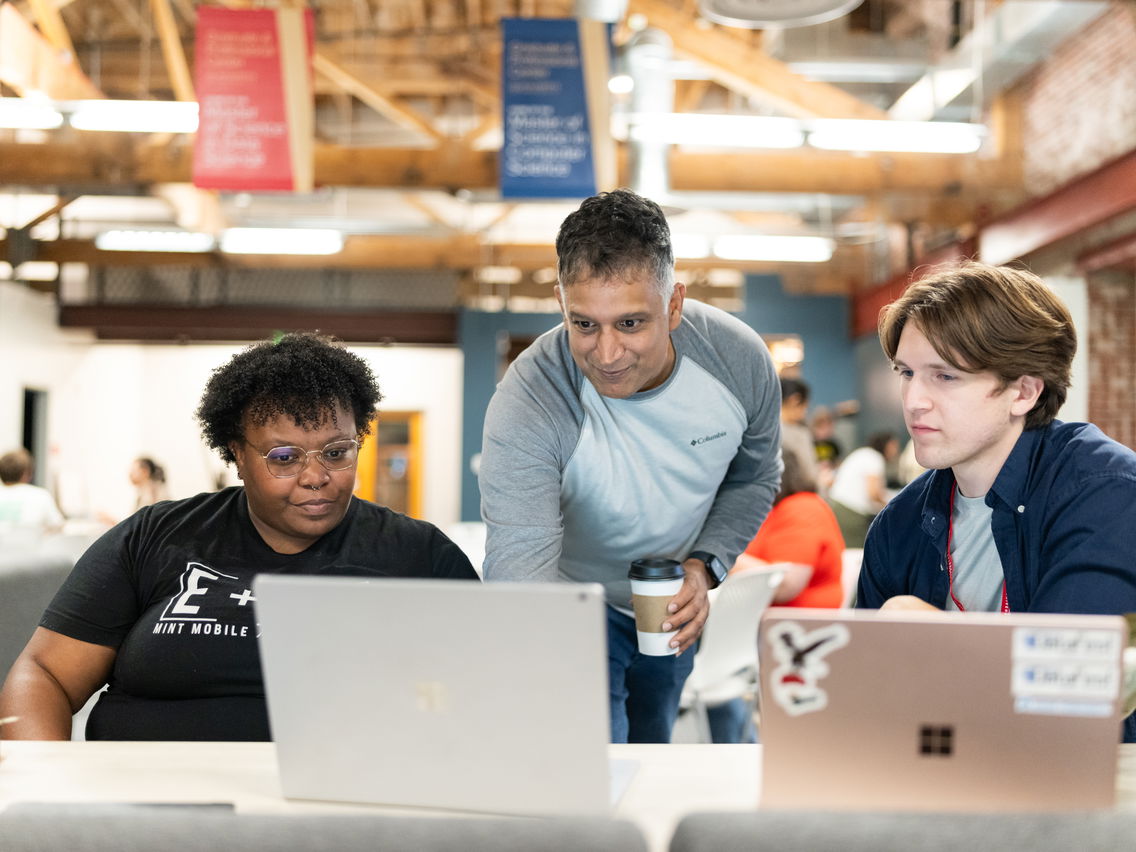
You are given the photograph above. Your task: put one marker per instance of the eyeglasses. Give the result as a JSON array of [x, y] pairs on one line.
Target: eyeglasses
[[284, 462]]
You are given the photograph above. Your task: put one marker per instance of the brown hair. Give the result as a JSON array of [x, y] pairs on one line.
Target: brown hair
[[980, 317], [15, 465], [794, 478]]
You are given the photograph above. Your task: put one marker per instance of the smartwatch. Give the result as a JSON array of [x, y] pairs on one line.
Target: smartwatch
[[715, 569]]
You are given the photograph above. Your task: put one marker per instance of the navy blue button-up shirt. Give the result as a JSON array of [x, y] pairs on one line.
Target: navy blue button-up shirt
[[1064, 524]]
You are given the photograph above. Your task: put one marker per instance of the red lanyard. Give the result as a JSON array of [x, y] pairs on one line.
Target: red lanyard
[[951, 562]]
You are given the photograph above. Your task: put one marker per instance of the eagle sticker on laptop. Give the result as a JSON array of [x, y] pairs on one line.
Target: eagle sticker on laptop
[[800, 657]]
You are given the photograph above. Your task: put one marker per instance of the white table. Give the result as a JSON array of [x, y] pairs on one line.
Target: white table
[[671, 781]]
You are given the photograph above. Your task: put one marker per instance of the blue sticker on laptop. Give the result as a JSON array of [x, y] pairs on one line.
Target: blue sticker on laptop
[[799, 654]]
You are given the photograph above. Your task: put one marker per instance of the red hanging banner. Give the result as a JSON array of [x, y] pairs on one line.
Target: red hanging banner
[[253, 81]]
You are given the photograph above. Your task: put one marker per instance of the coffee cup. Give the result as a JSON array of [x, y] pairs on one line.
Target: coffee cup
[[653, 583]]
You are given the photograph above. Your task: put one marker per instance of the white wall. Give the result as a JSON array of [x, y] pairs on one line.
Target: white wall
[[34, 354], [109, 403], [1073, 291]]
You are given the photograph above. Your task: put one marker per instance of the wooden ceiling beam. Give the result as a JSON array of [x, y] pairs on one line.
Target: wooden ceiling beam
[[51, 24], [361, 251], [31, 63], [54, 210], [459, 252], [225, 323], [113, 160], [836, 173], [172, 51], [327, 65], [748, 70]]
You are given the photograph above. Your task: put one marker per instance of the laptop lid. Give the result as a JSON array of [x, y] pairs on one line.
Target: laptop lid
[[437, 693], [940, 711]]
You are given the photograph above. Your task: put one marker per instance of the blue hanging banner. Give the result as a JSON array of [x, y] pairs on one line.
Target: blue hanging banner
[[548, 145]]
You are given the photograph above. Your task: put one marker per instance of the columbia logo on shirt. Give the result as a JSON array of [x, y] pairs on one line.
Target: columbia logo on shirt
[[705, 439]]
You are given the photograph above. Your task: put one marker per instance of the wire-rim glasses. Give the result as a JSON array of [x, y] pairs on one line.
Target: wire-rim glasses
[[286, 462]]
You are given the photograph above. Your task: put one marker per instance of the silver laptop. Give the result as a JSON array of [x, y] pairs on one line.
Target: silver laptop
[[965, 712], [437, 693]]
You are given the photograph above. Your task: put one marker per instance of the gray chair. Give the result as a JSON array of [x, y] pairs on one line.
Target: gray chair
[[808, 831], [27, 585], [193, 828]]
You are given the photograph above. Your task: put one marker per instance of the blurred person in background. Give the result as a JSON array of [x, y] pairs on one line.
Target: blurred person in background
[[826, 448], [908, 468], [859, 489], [801, 530], [26, 511], [796, 436], [149, 481]]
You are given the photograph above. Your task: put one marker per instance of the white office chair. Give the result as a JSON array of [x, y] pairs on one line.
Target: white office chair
[[726, 664], [470, 537], [850, 573]]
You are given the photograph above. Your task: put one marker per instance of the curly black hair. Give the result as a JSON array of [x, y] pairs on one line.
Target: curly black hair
[[302, 375]]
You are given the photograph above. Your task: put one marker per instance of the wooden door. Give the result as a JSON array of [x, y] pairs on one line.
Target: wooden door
[[390, 463]]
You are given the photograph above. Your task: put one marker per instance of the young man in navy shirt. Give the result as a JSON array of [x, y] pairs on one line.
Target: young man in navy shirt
[[1018, 512]]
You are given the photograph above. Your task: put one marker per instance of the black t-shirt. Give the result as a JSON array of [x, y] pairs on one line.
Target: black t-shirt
[[171, 589]]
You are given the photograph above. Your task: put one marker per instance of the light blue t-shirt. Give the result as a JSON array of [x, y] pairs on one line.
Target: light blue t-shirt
[[978, 577]]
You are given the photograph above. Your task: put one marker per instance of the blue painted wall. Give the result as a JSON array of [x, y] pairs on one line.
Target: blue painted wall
[[822, 323], [478, 336], [880, 409]]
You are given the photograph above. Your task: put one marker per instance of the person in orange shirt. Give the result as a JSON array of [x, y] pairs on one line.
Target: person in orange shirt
[[800, 529]]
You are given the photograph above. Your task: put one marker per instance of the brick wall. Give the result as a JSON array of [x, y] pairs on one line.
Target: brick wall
[[1079, 106], [1079, 112], [1112, 354]]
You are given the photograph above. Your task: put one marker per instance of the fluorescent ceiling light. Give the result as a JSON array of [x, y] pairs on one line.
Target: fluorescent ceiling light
[[28, 114], [787, 351], [690, 246], [924, 137], [499, 275], [717, 131], [794, 249], [281, 241], [37, 270], [760, 131], [180, 241], [621, 84], [135, 116]]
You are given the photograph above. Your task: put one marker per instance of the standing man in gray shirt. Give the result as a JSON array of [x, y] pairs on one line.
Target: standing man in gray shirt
[[644, 426]]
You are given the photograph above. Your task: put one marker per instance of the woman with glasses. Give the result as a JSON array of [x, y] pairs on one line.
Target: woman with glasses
[[161, 607]]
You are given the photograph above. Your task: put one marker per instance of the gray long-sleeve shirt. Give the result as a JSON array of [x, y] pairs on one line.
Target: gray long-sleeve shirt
[[574, 485]]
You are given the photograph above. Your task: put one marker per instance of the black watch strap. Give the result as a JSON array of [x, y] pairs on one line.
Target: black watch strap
[[715, 568]]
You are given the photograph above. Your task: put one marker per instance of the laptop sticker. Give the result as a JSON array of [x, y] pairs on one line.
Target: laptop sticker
[[795, 683], [1063, 672]]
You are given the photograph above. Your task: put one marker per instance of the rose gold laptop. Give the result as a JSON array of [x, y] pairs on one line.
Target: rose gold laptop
[[862, 710]]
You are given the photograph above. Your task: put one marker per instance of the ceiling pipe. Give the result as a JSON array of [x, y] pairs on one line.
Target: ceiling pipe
[[647, 56], [601, 10], [992, 57]]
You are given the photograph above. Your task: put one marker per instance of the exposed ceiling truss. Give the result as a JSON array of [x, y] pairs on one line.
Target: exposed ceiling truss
[[408, 118]]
